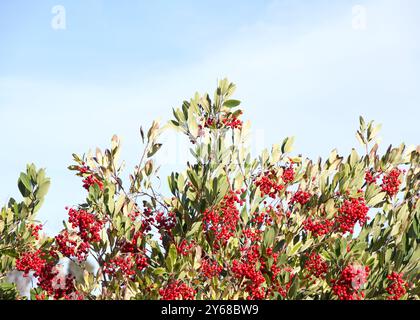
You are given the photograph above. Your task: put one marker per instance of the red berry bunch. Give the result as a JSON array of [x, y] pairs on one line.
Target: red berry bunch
[[352, 211], [247, 269], [210, 269], [301, 197], [288, 174], [397, 287], [30, 261], [185, 248], [50, 277], [34, 229], [370, 178], [263, 217], [134, 214], [391, 182], [148, 219], [348, 286], [132, 246], [253, 235], [141, 260], [276, 284], [165, 222], [316, 266], [268, 185], [57, 284], [209, 122], [284, 290], [123, 264], [126, 264], [223, 219], [87, 224], [71, 246], [177, 290], [233, 123], [318, 227], [90, 178]]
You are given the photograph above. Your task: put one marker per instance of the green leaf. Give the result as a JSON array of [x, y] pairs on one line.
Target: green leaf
[[294, 287], [159, 271], [43, 189], [194, 229], [287, 145], [231, 103], [171, 257], [8, 291], [354, 158], [294, 249], [362, 123], [269, 236], [154, 149], [376, 199], [244, 215], [148, 167], [24, 185]]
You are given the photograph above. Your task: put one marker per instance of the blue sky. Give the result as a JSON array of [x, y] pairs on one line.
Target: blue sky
[[300, 67]]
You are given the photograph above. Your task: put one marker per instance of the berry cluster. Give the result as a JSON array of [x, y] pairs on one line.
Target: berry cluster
[[30, 261], [247, 269], [349, 285], [233, 123], [253, 269], [210, 269], [123, 264], [132, 246], [353, 210], [185, 248], [209, 122], [301, 197], [71, 246], [165, 222], [252, 234], [276, 285], [162, 221], [177, 290], [34, 229], [319, 227], [87, 224], [397, 287], [391, 182], [229, 121], [263, 217], [147, 220], [90, 179], [370, 177], [316, 266], [268, 185], [126, 264], [223, 219], [57, 284], [288, 174], [284, 290], [51, 278]]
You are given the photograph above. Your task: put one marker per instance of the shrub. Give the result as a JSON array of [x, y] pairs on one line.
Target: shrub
[[276, 227]]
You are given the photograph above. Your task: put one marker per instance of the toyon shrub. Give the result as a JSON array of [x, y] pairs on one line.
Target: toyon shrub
[[279, 226]]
